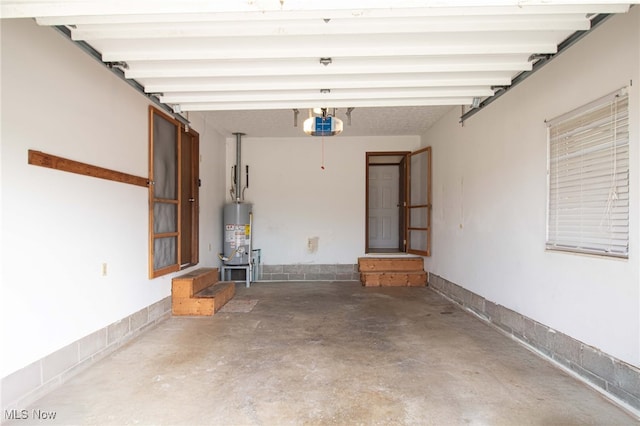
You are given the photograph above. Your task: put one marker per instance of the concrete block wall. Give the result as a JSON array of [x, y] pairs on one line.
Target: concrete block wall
[[32, 382], [309, 272], [613, 376]]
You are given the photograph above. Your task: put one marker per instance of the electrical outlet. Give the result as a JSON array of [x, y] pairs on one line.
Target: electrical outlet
[[104, 269], [209, 246]]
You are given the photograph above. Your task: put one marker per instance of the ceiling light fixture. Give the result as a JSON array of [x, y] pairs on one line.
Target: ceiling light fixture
[[322, 123], [325, 61]]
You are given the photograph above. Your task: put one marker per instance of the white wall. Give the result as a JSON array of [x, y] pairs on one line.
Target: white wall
[[489, 182], [58, 228], [295, 200]]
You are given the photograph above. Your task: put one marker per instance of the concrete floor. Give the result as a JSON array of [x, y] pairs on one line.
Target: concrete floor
[[328, 353]]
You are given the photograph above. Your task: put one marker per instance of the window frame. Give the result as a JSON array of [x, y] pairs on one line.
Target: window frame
[[588, 207]]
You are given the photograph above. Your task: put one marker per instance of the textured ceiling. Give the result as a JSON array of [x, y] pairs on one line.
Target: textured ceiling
[[383, 121]]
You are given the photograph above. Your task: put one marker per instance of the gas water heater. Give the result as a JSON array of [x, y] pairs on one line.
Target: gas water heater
[[237, 233], [237, 217]]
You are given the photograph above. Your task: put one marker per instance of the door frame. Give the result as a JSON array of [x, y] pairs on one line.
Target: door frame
[[177, 166], [190, 197], [402, 195], [427, 206]]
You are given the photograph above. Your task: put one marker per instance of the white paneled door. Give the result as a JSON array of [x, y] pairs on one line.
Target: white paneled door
[[384, 207]]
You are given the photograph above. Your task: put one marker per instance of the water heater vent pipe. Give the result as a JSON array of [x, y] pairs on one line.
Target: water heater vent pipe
[[238, 172]]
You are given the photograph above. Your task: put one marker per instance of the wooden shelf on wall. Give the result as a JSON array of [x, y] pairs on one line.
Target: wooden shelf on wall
[[38, 158]]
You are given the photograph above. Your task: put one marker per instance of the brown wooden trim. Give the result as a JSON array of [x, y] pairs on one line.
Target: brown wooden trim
[[421, 150], [420, 252], [195, 223], [165, 201], [163, 114], [366, 204], [152, 272], [165, 235], [428, 206], [429, 202], [164, 271], [179, 192], [386, 153], [39, 158], [152, 200], [403, 171]]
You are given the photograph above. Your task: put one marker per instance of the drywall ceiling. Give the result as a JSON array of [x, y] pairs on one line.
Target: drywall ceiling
[[249, 63]]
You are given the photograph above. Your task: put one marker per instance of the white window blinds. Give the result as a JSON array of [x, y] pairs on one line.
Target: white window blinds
[[588, 204]]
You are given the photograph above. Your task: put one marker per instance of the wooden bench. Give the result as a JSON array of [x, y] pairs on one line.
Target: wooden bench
[[200, 293]]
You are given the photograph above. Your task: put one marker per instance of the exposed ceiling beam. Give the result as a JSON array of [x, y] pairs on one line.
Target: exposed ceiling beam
[[319, 95], [339, 66], [320, 27], [359, 103], [289, 8], [329, 46], [562, 47], [283, 54], [329, 82]]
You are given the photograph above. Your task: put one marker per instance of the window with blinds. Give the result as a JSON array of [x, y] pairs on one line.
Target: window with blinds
[[588, 178]]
